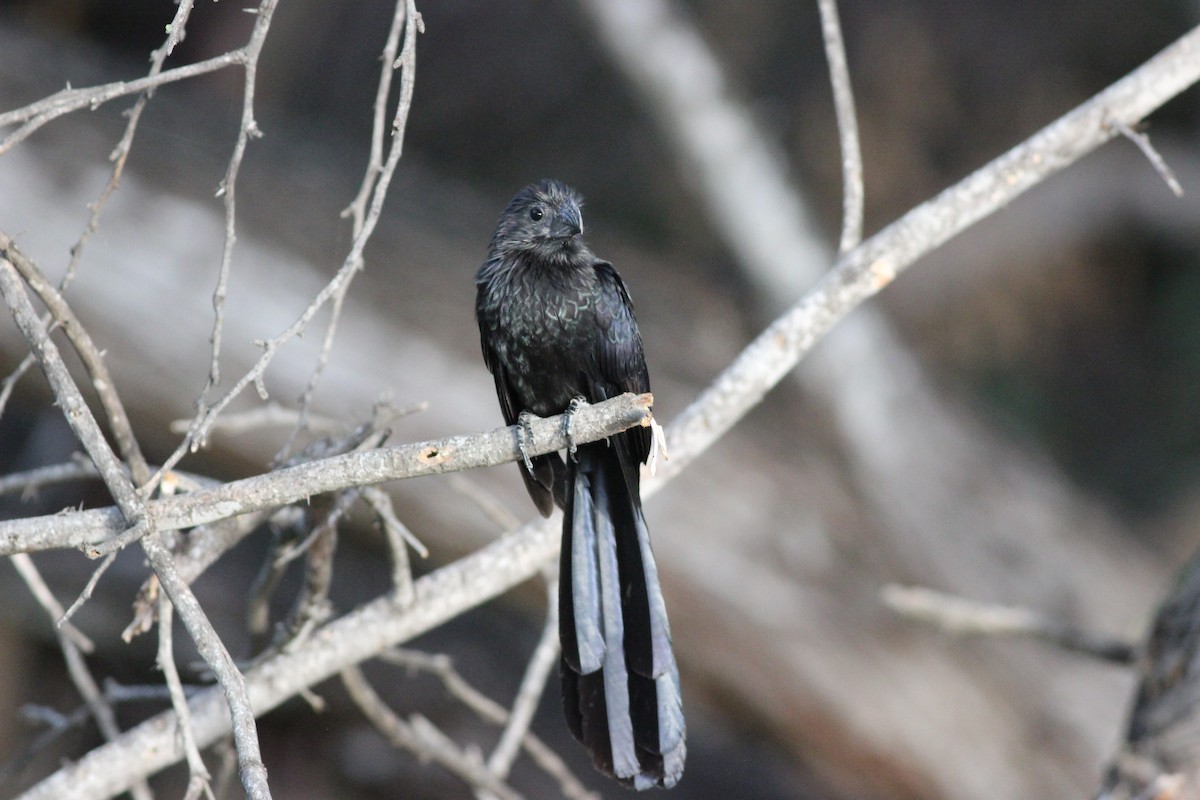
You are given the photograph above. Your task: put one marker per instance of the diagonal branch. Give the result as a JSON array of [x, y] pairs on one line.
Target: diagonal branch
[[874, 264], [132, 509], [88, 353], [35, 115]]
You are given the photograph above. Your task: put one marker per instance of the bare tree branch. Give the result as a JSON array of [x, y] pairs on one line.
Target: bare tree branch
[[88, 588], [420, 736], [960, 616], [35, 115], [101, 380], [399, 539], [88, 529], [198, 777], [74, 644], [337, 286], [449, 591], [491, 711], [859, 274], [378, 174], [29, 481], [541, 664], [120, 154], [132, 509], [247, 130], [874, 264]]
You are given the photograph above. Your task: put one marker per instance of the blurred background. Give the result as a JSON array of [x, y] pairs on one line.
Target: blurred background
[[1014, 420]]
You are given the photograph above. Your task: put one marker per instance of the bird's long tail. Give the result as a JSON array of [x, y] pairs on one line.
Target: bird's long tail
[[620, 682]]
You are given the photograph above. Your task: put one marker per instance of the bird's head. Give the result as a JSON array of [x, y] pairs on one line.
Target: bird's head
[[543, 221]]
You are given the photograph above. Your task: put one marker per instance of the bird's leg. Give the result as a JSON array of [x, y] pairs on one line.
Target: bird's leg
[[525, 437], [569, 423]]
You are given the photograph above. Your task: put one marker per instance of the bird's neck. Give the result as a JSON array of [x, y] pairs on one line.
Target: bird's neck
[[562, 266]]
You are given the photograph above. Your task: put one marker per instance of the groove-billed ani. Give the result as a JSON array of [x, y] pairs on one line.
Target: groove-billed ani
[[557, 326]]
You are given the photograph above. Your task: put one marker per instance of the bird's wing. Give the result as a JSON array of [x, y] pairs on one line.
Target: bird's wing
[[510, 406], [545, 479], [621, 358]]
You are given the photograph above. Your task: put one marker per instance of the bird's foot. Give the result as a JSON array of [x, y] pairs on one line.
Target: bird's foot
[[525, 437], [569, 424]]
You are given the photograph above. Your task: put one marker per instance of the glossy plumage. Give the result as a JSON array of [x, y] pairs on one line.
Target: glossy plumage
[[556, 323]]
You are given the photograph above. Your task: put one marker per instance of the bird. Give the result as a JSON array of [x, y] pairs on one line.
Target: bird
[[557, 329]]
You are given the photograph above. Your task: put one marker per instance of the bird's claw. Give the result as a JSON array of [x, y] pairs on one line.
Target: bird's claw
[[525, 437], [569, 424]]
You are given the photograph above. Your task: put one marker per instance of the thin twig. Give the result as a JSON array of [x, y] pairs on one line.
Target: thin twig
[[271, 415], [1152, 155], [467, 762], [420, 736], [485, 501], [541, 664], [357, 209], [489, 710], [89, 354], [847, 122], [378, 175], [207, 414], [46, 599], [88, 588], [197, 771], [381, 503], [74, 644], [960, 616], [29, 481], [35, 115], [233, 686], [399, 538], [10, 381], [311, 607], [120, 154], [247, 130], [314, 378]]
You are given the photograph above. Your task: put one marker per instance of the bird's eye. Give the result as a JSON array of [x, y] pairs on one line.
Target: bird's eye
[[536, 213]]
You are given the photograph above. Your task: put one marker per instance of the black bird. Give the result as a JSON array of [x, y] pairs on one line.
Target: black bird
[[557, 328]]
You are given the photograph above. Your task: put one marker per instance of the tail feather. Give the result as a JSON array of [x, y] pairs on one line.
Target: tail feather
[[584, 579], [620, 681]]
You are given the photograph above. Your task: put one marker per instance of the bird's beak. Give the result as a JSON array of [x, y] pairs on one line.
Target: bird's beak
[[568, 222]]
